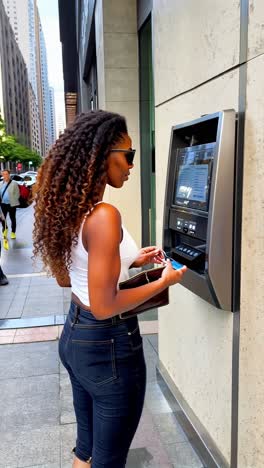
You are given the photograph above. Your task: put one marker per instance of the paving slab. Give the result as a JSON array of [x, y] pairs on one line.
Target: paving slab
[[34, 307], [67, 415], [27, 322], [27, 360], [38, 429], [5, 305], [67, 442], [182, 455], [34, 399], [169, 429], [19, 449]]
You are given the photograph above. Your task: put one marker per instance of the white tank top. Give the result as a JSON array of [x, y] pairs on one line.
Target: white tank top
[[79, 267]]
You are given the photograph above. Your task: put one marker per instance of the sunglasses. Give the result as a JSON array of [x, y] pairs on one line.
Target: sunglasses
[[129, 154]]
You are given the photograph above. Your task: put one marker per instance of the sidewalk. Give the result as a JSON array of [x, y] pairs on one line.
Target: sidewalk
[[36, 295], [37, 427], [33, 295], [33, 308]]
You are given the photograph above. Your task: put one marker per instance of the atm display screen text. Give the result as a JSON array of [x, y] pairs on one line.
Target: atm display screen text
[[193, 173]]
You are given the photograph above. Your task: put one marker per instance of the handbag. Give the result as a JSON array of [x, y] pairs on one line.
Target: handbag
[[24, 196], [142, 278]]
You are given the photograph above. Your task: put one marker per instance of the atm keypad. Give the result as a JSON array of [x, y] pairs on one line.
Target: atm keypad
[[188, 252]]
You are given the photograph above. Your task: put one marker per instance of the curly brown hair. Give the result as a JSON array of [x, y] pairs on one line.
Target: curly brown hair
[[69, 183]]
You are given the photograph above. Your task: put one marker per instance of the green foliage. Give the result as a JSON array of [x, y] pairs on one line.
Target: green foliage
[[11, 150], [2, 125]]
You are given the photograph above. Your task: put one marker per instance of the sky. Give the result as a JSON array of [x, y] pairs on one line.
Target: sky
[[49, 16]]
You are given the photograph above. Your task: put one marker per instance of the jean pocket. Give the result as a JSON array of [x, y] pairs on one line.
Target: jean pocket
[[135, 339], [94, 361]]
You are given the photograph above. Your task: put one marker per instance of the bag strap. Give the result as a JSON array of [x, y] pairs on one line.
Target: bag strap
[[5, 189], [146, 276]]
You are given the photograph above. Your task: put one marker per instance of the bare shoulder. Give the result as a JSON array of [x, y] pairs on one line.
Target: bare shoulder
[[103, 225], [104, 213]]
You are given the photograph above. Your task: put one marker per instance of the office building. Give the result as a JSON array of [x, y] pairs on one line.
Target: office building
[[14, 77], [53, 115], [24, 18], [60, 124], [45, 93], [34, 122], [21, 15]]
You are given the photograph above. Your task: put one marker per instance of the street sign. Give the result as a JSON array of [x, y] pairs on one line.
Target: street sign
[[19, 166]]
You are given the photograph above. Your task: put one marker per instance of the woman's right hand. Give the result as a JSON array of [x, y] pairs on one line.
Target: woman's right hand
[[171, 276]]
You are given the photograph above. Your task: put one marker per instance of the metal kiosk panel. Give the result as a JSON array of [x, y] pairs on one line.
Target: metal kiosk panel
[[199, 205]]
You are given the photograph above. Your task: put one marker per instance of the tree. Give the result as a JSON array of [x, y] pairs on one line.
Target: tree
[[11, 150], [2, 126]]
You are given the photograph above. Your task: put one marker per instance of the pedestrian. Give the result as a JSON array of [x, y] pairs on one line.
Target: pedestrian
[[9, 192], [3, 278], [82, 241]]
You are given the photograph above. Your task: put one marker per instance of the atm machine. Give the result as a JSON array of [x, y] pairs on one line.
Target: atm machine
[[199, 205]]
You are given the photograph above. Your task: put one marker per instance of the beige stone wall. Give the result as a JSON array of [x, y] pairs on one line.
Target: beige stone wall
[[117, 62], [251, 375], [193, 42], [251, 380], [195, 338], [255, 29]]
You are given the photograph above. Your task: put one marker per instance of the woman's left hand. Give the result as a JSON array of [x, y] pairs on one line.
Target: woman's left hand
[[148, 255]]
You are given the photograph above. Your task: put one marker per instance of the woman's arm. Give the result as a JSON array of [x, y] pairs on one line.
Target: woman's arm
[[102, 235]]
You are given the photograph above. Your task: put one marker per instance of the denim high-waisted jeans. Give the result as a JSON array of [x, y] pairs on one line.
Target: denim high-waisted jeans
[[105, 362]]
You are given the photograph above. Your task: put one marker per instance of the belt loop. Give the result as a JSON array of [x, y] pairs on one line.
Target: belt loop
[[76, 315]]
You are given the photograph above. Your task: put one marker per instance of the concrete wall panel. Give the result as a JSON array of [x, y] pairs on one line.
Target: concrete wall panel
[[251, 391], [256, 28], [121, 93], [193, 42], [195, 339]]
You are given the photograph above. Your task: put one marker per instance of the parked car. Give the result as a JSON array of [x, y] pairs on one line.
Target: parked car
[[30, 173], [29, 180], [18, 178], [23, 179]]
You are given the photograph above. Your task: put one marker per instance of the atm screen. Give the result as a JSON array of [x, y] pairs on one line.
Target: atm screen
[[193, 174]]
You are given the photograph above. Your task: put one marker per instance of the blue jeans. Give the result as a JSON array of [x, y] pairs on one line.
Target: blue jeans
[[106, 365]]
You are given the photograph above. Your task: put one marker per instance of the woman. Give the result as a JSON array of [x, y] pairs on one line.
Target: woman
[[9, 192], [3, 278], [81, 240]]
